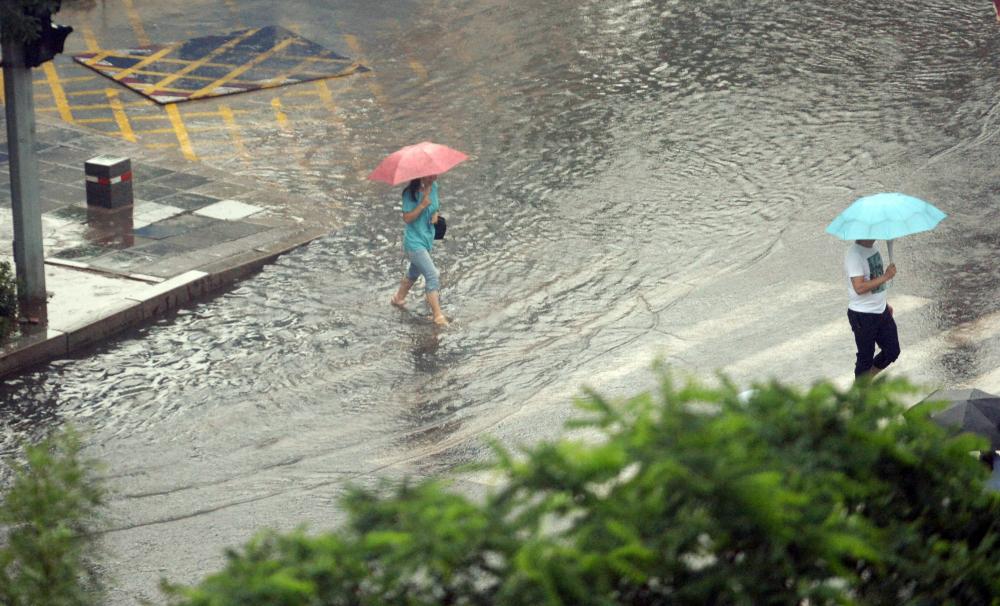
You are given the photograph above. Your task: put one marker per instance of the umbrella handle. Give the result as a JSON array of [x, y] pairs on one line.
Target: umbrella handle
[[888, 245]]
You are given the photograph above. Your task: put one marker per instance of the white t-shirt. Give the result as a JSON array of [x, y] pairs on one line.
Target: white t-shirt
[[867, 262]]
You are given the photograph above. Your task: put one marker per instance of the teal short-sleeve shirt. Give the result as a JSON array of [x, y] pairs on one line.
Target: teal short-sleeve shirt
[[419, 234]]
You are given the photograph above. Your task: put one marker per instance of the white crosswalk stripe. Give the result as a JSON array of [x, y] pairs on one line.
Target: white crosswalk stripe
[[802, 356], [753, 311], [699, 333], [989, 382], [771, 359], [921, 354]]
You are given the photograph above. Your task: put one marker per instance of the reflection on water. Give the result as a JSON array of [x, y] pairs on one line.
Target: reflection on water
[[110, 228], [624, 154]]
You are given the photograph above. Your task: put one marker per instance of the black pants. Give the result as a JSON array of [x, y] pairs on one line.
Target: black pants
[[869, 330]]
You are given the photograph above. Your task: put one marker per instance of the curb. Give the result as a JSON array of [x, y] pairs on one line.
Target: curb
[[136, 311]]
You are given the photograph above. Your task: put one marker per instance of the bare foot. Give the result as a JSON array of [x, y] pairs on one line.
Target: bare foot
[[441, 321], [396, 302]]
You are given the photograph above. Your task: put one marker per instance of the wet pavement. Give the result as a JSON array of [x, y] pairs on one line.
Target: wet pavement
[[648, 178], [111, 269]]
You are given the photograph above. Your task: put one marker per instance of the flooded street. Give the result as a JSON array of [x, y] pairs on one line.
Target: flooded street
[[647, 178]]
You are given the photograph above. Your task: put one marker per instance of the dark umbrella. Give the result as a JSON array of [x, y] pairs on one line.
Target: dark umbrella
[[970, 410]]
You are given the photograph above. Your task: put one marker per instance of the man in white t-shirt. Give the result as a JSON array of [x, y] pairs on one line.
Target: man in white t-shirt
[[867, 310]]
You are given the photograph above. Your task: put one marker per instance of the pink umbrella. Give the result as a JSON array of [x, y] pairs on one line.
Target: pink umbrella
[[415, 161]]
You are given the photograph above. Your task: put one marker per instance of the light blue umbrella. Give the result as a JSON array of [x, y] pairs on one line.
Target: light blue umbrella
[[885, 216]]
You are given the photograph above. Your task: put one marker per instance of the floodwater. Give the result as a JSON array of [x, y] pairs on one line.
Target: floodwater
[[648, 178]]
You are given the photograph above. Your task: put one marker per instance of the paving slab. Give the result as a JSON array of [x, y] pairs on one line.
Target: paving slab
[[190, 232], [229, 210]]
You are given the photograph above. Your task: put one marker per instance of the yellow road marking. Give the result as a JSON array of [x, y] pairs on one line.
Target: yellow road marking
[[279, 115], [159, 145], [100, 56], [277, 48], [72, 79], [90, 106], [193, 65], [157, 131], [303, 62], [235, 112], [325, 95], [282, 76], [136, 21], [181, 131], [150, 59], [322, 59], [234, 130], [418, 68], [58, 94], [146, 72], [89, 39], [118, 110], [186, 61], [148, 88], [152, 117], [352, 42], [85, 93], [187, 77], [91, 120]]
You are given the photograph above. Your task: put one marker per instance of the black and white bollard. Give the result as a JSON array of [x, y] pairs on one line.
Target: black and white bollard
[[109, 181]]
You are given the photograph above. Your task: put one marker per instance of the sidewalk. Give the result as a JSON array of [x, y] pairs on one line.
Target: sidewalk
[[191, 231]]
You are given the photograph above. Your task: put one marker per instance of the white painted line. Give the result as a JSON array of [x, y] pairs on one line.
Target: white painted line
[[110, 181], [802, 344], [762, 306], [697, 334]]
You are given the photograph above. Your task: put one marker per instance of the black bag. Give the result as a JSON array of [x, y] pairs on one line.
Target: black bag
[[440, 227]]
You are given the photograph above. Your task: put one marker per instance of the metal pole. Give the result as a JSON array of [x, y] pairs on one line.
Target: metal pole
[[27, 212]]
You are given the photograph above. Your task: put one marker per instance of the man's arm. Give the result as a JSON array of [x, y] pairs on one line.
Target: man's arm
[[861, 286]]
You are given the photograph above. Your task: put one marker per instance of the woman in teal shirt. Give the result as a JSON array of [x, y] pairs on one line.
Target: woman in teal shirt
[[420, 213]]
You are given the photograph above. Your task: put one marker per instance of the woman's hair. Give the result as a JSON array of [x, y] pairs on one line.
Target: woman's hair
[[413, 188]]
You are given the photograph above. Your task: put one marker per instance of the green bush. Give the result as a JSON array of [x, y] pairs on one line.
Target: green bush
[[48, 515], [687, 496], [8, 299]]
